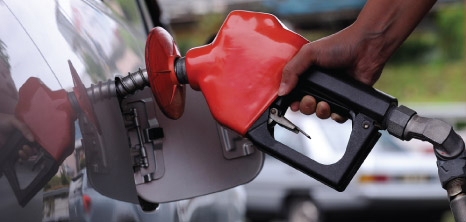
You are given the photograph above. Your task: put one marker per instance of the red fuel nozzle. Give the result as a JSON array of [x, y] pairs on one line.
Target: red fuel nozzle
[[239, 72]]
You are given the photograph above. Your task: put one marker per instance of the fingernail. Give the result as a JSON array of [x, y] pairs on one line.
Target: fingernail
[[30, 137], [282, 89]]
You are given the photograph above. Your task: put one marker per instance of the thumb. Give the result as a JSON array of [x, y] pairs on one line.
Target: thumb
[[294, 68], [23, 128]]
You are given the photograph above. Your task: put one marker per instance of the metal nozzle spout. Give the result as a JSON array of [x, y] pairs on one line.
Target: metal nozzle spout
[[131, 83], [121, 86]]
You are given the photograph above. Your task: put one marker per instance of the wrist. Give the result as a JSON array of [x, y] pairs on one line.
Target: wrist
[[374, 42], [368, 50]]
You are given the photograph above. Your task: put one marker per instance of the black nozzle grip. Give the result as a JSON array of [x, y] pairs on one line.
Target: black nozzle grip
[[343, 94], [23, 186], [338, 175], [366, 106]]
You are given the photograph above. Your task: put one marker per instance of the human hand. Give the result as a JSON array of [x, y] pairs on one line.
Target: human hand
[[8, 123], [343, 52], [361, 50]]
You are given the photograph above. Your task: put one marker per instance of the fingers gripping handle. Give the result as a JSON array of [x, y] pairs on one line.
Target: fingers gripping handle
[[344, 94], [338, 175]]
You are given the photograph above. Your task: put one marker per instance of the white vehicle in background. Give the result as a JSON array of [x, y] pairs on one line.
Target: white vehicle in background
[[86, 204], [393, 183]]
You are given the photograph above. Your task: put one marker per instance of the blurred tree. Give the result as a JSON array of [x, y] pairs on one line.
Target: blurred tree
[[63, 178], [450, 24], [203, 32]]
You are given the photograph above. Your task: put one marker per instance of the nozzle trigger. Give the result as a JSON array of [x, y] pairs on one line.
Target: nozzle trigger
[[285, 123]]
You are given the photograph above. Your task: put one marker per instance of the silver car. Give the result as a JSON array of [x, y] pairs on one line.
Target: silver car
[[102, 39], [86, 204]]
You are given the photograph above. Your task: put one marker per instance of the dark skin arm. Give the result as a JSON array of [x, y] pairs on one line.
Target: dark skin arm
[[360, 50]]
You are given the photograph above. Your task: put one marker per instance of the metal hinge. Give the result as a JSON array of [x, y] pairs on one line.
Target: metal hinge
[[144, 137], [140, 158]]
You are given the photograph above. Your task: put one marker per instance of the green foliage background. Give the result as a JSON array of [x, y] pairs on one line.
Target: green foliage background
[[430, 66]]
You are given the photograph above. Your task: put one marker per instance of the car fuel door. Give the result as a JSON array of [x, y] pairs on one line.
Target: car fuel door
[[188, 157], [170, 159]]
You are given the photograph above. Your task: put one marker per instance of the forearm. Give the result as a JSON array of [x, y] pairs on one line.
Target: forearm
[[383, 25], [360, 50]]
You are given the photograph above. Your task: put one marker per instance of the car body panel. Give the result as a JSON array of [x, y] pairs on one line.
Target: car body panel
[[62, 34], [37, 38]]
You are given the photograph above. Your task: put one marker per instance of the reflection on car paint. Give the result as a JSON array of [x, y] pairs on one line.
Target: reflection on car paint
[[49, 116], [37, 39], [37, 43]]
